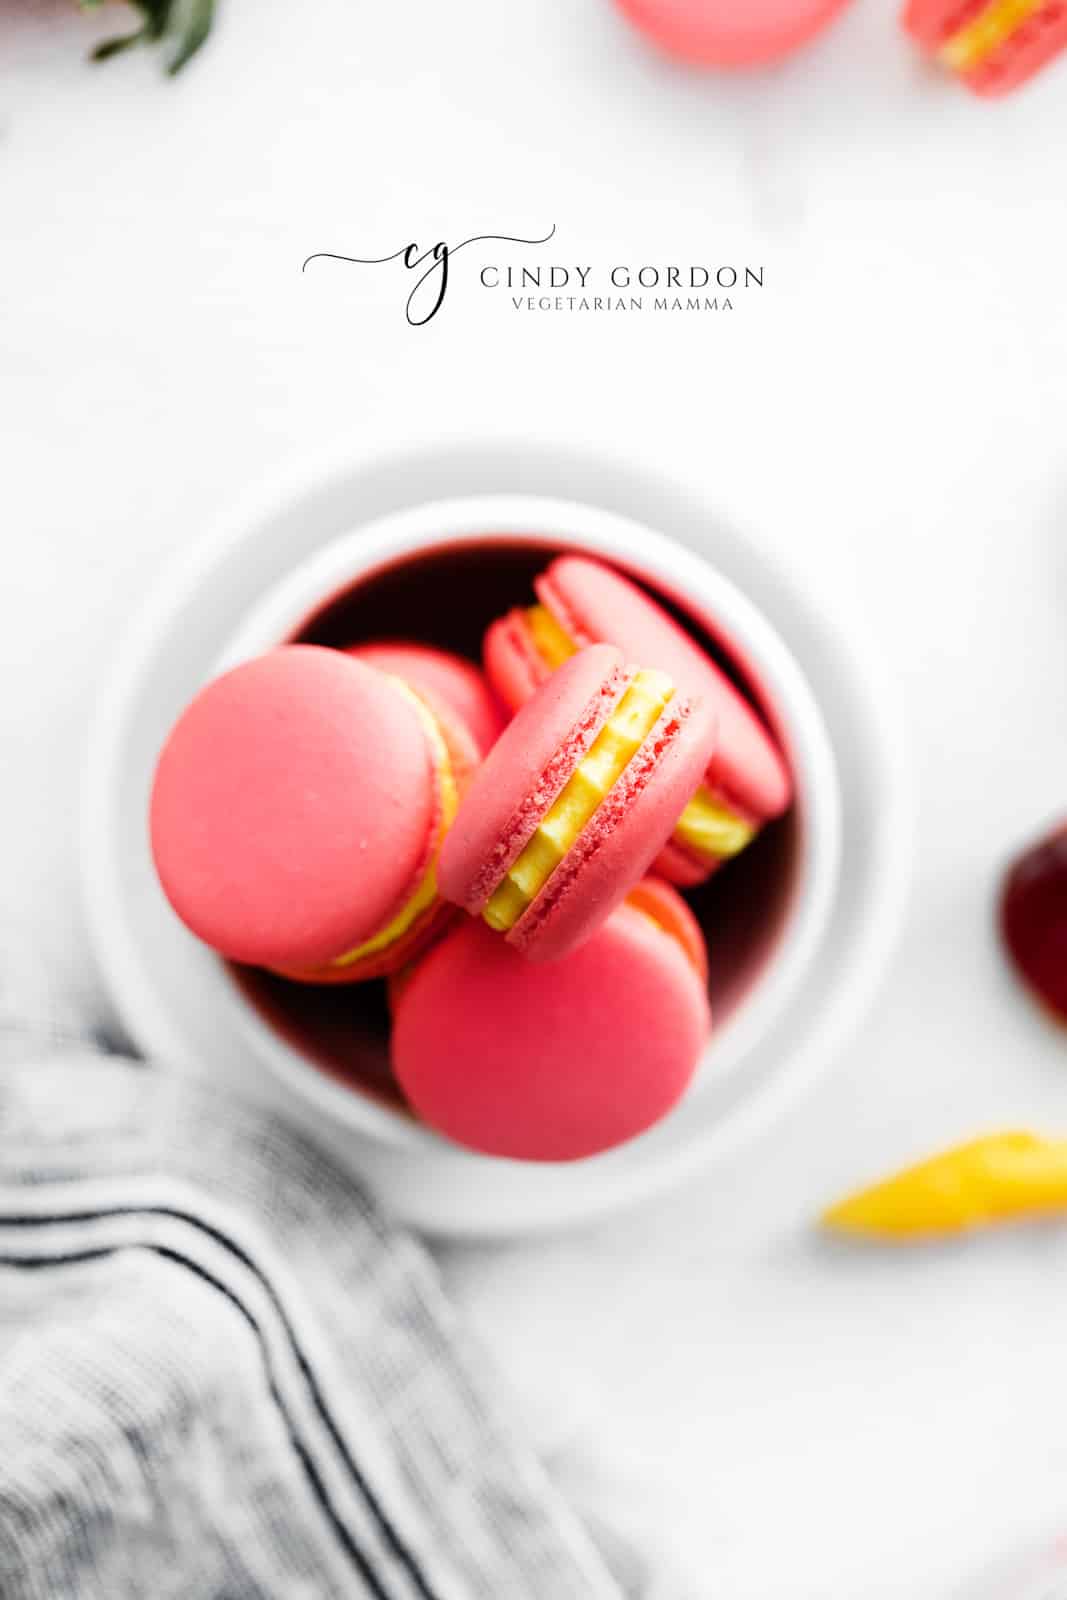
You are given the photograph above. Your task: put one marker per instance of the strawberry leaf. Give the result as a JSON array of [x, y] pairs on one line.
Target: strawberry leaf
[[185, 22]]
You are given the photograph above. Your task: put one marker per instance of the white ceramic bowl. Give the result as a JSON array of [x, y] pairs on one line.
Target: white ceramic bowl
[[667, 566], [253, 583]]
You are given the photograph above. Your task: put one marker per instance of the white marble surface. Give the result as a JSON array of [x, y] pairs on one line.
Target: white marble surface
[[798, 1421]]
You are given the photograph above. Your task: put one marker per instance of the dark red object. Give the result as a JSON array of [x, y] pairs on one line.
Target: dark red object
[[1033, 920]]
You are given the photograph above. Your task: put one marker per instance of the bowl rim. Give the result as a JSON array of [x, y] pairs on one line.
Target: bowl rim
[[371, 546]]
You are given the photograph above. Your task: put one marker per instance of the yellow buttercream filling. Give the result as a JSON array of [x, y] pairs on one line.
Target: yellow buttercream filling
[[983, 36], [426, 892], [601, 767], [707, 826], [553, 643]]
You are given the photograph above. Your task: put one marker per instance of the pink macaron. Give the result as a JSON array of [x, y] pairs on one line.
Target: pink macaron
[[296, 816], [581, 601], [556, 1061], [575, 801], [726, 33], [456, 691], [992, 46]]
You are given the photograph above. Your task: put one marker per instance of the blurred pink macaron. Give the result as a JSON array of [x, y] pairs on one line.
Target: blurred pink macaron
[[296, 815], [555, 1061], [575, 801], [580, 601], [730, 33], [992, 46]]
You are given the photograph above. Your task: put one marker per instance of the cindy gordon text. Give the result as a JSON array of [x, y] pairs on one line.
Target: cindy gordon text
[[678, 279]]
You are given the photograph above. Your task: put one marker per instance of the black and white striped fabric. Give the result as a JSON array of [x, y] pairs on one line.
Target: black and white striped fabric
[[222, 1376]]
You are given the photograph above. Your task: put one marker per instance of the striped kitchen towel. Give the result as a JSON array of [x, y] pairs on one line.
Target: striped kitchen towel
[[224, 1377]]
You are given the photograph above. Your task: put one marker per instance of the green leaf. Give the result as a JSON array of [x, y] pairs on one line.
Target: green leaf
[[114, 47], [197, 26], [188, 22]]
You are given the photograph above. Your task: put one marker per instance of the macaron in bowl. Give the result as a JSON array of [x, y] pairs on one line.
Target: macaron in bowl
[[296, 814], [575, 801], [580, 600], [560, 1060], [351, 524]]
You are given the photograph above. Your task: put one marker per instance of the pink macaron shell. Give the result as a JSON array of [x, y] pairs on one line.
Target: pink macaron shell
[[513, 664], [623, 837], [730, 33], [294, 808], [447, 682], [525, 771], [682, 867], [550, 1063], [931, 22], [594, 602]]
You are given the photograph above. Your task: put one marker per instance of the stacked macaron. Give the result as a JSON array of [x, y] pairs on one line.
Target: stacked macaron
[[579, 602], [992, 46], [326, 814]]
